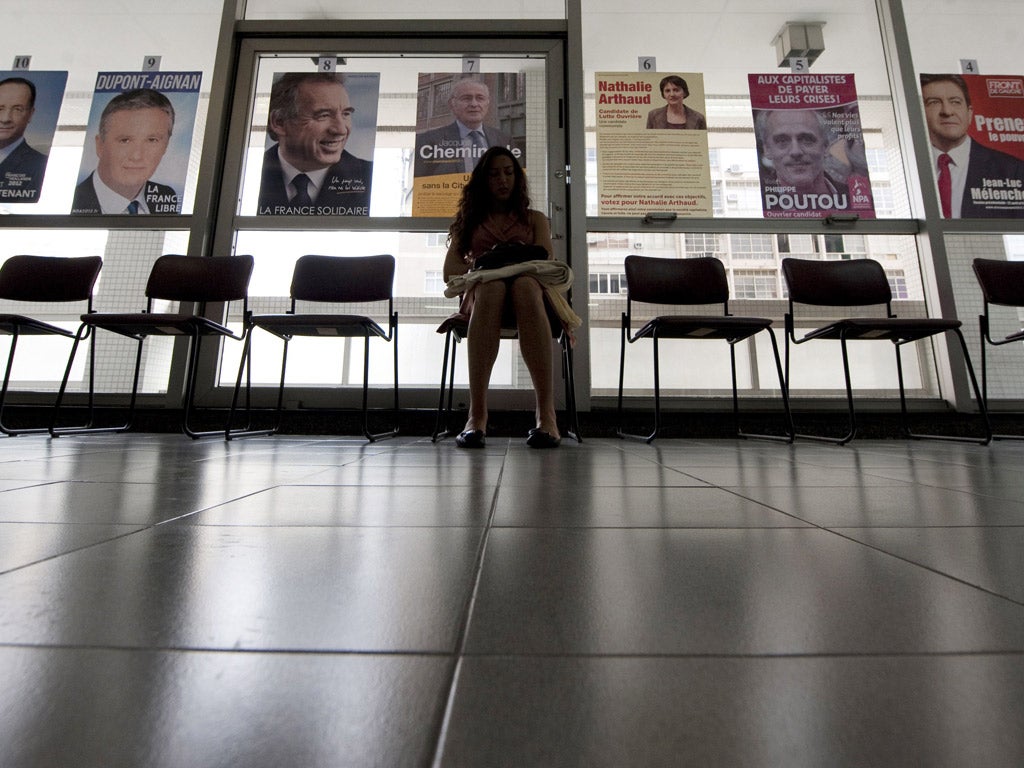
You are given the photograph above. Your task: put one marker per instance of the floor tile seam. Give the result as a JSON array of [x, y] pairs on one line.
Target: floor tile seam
[[923, 566], [933, 569], [836, 531], [143, 528], [674, 527], [247, 651], [441, 732], [352, 526], [752, 656]]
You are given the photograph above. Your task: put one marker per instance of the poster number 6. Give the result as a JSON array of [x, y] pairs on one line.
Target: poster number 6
[[647, 64]]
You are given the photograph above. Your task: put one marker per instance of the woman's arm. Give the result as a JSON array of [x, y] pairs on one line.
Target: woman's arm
[[453, 263], [542, 232]]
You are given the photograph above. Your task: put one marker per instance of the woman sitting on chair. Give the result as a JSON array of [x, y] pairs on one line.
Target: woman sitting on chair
[[494, 209]]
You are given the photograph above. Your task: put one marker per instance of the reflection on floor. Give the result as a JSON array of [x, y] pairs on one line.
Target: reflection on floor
[[321, 602]]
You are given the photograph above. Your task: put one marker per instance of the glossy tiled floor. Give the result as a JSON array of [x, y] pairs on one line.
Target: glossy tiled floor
[[320, 602]]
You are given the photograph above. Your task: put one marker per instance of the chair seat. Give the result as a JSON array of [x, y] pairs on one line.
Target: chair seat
[[702, 327], [318, 325], [155, 324], [890, 328], [27, 326]]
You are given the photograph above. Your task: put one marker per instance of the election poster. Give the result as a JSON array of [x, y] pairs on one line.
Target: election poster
[[459, 117], [29, 108], [810, 146], [138, 142], [652, 144], [976, 133], [321, 135]]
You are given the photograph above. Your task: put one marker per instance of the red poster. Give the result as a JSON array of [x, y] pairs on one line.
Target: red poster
[[810, 146], [976, 131]]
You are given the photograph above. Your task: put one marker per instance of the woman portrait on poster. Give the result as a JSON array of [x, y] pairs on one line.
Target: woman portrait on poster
[[494, 210], [675, 114]]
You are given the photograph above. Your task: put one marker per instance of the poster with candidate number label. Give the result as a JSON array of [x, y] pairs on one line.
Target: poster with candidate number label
[[137, 143], [810, 146], [321, 135], [29, 108], [652, 144], [976, 136]]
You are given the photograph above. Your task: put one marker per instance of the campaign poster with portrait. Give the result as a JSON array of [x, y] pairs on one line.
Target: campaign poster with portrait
[[137, 143], [29, 108], [976, 132], [652, 144], [810, 146], [458, 118], [321, 135]]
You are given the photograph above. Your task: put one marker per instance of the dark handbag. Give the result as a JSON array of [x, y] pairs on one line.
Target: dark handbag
[[506, 254]]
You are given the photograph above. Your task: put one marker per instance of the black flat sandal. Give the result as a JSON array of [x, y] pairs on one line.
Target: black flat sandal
[[471, 438], [538, 438]]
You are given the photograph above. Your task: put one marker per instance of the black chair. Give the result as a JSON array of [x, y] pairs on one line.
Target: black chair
[[333, 280], [690, 282], [862, 283], [456, 328], [1002, 283], [50, 279], [195, 280]]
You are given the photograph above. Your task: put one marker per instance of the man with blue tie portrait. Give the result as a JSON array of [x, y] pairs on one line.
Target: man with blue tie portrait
[[134, 132], [456, 147], [308, 171]]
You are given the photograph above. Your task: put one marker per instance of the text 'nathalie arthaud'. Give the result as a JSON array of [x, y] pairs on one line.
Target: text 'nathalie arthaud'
[[623, 92]]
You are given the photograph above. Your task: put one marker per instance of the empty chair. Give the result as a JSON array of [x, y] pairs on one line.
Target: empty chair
[[193, 280], [1002, 283], [333, 280], [862, 283], [456, 327], [688, 282], [50, 279]]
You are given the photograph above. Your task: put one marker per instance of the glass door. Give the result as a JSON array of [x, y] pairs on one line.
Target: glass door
[[371, 119]]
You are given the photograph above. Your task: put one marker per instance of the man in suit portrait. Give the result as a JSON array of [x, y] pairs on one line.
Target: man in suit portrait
[[456, 147], [975, 182], [21, 166], [309, 171], [135, 129]]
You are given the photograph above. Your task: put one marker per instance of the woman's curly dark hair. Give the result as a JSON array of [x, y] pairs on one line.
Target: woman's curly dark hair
[[474, 204]]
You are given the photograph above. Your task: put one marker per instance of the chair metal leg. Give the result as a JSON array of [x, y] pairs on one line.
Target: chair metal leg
[[88, 428], [987, 435], [657, 402], [441, 430], [788, 436], [371, 436], [245, 364], [570, 388]]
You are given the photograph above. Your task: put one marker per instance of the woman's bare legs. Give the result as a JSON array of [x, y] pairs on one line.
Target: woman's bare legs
[[482, 347], [535, 345]]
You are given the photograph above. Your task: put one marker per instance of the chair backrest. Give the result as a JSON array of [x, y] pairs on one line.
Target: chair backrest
[[200, 278], [49, 278], [676, 281], [1002, 282], [343, 278], [836, 283]]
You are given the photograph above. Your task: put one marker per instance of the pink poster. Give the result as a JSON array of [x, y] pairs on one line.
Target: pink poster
[[976, 133], [810, 146]]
